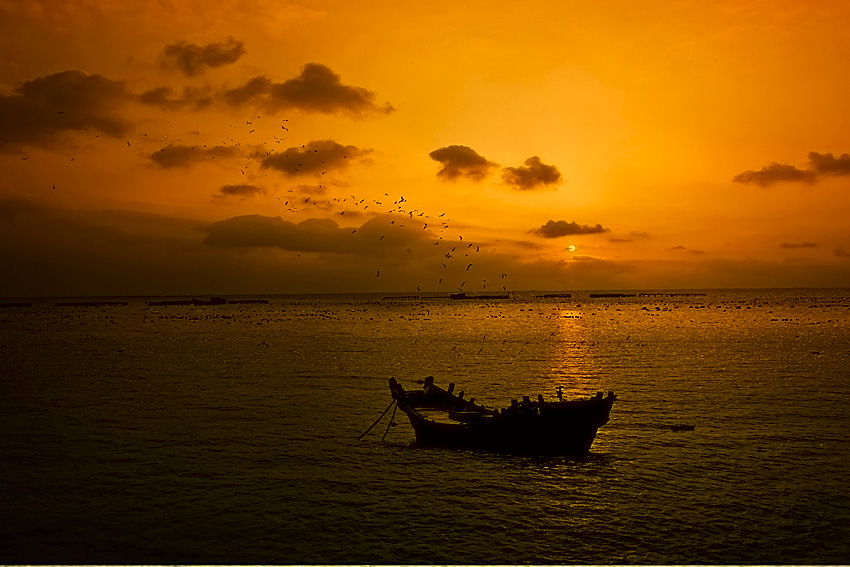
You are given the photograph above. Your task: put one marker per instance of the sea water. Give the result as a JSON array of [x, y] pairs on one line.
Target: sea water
[[136, 433]]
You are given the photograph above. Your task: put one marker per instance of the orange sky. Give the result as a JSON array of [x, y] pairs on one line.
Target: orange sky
[[275, 147]]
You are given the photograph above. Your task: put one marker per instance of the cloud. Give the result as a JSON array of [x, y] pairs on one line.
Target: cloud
[[556, 229], [255, 91], [68, 101], [185, 156], [798, 245], [316, 89], [819, 165], [532, 175], [259, 231], [317, 157], [827, 164], [13, 208], [377, 237], [164, 97], [194, 59], [461, 161], [774, 173], [50, 252], [240, 190]]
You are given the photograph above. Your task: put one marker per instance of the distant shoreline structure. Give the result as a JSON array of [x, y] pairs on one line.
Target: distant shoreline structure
[[464, 295], [204, 302], [164, 300]]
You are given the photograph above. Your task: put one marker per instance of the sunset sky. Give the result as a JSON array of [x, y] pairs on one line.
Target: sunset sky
[[235, 147]]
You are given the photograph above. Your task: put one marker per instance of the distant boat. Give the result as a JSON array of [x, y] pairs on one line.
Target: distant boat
[[443, 419]]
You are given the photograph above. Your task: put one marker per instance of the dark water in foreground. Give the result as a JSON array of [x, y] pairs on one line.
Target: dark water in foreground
[[228, 434]]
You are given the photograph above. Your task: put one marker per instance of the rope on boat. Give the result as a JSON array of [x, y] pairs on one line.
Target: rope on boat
[[362, 435], [390, 424]]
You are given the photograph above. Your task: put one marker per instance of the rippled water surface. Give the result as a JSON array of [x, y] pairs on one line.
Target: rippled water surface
[[228, 434]]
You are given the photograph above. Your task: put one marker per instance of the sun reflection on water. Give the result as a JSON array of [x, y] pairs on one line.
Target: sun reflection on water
[[571, 355]]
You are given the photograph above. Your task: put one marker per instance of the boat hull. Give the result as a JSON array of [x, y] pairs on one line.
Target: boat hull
[[533, 428]]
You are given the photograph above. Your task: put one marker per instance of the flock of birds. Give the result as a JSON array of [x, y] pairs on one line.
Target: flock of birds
[[304, 199]]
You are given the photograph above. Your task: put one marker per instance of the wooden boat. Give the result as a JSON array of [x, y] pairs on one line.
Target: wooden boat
[[441, 418]]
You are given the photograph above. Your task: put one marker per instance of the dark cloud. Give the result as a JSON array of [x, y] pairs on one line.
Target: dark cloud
[[774, 173], [316, 89], [461, 161], [12, 207], [193, 59], [69, 101], [376, 237], [255, 91], [819, 164], [532, 175], [827, 164], [185, 156], [48, 252], [164, 97], [317, 157], [555, 229], [240, 190], [798, 245], [258, 231]]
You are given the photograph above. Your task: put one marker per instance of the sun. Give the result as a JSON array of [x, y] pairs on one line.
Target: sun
[[571, 247]]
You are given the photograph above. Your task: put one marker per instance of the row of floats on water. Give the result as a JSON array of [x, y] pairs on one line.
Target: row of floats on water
[[158, 303]]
